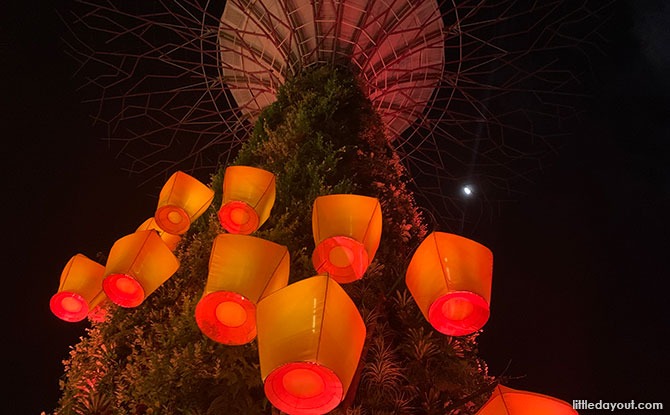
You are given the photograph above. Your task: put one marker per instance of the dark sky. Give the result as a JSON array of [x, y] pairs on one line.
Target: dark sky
[[580, 276]]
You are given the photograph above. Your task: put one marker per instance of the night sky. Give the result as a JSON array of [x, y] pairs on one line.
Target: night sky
[[580, 288]]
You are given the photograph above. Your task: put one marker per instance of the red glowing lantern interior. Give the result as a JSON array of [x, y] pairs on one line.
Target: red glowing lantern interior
[[303, 388], [172, 219], [123, 290], [238, 217], [69, 306], [458, 313], [227, 317], [344, 259]]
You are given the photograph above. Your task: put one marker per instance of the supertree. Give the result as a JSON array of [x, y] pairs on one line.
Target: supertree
[[401, 100], [470, 92]]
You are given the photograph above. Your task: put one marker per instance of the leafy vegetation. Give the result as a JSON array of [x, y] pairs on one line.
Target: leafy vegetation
[[321, 137]]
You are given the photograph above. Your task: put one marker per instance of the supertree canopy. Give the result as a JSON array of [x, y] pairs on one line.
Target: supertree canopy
[[397, 49], [470, 92], [305, 275]]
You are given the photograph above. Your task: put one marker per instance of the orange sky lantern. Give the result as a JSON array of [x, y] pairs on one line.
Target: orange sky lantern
[[248, 196], [310, 337], [138, 264], [508, 401], [171, 240], [242, 270], [80, 289], [347, 229], [182, 200], [449, 277]]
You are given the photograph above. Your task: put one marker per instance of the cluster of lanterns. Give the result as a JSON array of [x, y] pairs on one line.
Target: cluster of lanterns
[[310, 334], [137, 263]]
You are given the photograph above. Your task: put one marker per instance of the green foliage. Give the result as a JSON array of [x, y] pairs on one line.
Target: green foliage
[[321, 137]]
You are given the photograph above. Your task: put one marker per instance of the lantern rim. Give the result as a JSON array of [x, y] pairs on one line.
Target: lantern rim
[[60, 310], [211, 325], [227, 216], [357, 258], [446, 320], [130, 296], [281, 396], [165, 219]]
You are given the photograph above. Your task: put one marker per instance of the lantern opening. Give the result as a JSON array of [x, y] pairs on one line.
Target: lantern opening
[[231, 314], [303, 388], [68, 306], [341, 256], [238, 217], [227, 317], [123, 290], [459, 313], [303, 383], [344, 259], [172, 219]]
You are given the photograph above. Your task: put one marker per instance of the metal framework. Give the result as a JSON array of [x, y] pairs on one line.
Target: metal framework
[[470, 91], [395, 47]]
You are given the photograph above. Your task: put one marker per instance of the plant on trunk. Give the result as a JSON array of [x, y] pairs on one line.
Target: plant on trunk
[[320, 137]]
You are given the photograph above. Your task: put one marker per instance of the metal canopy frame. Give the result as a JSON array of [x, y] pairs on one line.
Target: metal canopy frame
[[470, 91]]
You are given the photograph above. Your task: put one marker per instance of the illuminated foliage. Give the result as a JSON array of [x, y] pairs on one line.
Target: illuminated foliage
[[321, 137]]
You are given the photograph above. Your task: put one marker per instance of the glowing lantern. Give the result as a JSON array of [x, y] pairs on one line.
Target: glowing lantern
[[182, 200], [137, 265], [310, 337], [508, 401], [346, 229], [248, 196], [80, 289], [450, 279], [242, 270], [171, 240]]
